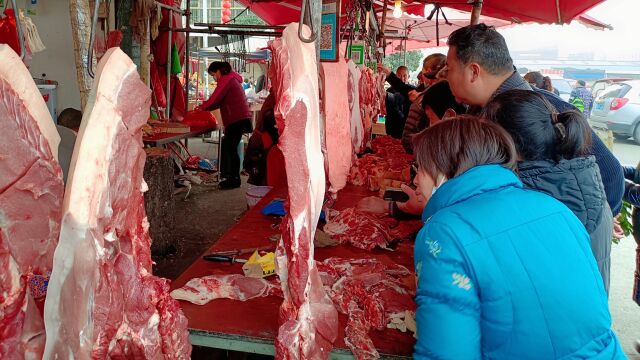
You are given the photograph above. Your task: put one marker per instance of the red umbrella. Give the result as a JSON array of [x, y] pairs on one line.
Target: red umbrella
[[593, 23], [422, 32]]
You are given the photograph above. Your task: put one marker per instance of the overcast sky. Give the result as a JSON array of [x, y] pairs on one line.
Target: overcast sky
[[621, 43]]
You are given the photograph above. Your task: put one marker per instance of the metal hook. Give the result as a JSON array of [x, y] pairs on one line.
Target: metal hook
[[18, 27], [94, 21], [303, 12]]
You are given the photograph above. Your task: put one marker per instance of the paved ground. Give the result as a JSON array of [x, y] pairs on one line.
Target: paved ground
[[625, 312]]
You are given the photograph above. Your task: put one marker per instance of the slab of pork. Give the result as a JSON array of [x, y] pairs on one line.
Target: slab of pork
[[103, 302], [353, 85], [337, 123], [308, 319], [31, 192]]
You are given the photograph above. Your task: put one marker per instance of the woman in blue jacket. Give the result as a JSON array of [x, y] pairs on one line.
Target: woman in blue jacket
[[503, 272], [553, 158]]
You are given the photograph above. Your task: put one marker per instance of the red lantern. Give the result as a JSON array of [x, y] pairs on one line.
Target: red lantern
[[226, 5], [226, 12], [226, 19]]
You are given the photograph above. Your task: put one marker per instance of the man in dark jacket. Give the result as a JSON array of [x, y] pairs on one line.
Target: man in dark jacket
[[397, 101], [479, 67]]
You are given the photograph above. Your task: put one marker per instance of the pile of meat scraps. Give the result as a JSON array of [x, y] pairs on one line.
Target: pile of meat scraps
[[103, 302], [388, 166], [368, 231], [374, 295], [31, 192]]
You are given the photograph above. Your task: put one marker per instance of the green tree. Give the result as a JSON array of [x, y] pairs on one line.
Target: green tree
[[248, 18], [413, 60]]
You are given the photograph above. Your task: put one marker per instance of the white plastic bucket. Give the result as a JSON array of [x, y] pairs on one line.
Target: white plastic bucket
[[255, 193]]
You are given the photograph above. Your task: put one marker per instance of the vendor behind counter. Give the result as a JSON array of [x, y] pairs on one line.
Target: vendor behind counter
[[263, 159]]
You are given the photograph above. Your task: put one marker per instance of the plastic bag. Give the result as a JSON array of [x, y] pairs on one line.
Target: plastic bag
[[199, 118]]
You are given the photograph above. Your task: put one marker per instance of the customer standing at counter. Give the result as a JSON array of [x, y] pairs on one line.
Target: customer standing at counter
[[229, 97], [499, 266]]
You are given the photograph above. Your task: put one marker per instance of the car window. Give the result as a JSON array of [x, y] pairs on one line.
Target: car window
[[615, 91], [598, 87], [562, 85]]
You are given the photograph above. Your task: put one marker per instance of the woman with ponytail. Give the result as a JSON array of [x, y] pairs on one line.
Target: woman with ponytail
[[553, 159]]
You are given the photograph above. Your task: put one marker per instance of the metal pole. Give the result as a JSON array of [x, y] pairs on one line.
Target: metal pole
[[168, 93], [186, 56], [19, 29], [475, 13], [382, 27], [229, 32], [404, 50], [316, 19]]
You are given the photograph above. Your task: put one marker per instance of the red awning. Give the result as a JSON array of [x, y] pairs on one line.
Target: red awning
[[593, 23], [520, 11]]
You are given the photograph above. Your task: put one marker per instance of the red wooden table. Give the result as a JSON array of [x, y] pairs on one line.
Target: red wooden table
[[252, 326], [165, 138]]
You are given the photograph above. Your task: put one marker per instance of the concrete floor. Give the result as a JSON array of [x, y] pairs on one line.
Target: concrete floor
[[201, 218], [624, 311], [207, 213]]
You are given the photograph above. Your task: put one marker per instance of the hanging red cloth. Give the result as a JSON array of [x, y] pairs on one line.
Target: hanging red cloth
[[156, 85], [8, 30]]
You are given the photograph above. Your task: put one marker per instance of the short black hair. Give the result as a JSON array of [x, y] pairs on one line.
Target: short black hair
[[581, 83], [70, 118], [538, 131], [223, 66], [484, 45], [536, 78], [439, 98]]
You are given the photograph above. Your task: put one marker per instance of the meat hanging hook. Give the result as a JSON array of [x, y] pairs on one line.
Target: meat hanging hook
[[92, 36], [303, 13], [18, 28]]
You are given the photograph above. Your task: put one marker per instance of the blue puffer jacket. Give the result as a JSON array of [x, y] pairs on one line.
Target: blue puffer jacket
[[507, 273]]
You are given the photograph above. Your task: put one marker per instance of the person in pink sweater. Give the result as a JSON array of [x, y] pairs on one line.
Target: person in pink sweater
[[229, 97]]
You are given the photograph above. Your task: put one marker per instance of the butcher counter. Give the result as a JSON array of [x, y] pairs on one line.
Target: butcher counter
[[251, 326]]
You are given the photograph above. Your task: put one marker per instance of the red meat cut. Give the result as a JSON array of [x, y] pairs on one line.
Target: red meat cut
[[103, 302], [359, 229], [308, 320], [236, 287], [31, 192], [337, 123], [373, 294]]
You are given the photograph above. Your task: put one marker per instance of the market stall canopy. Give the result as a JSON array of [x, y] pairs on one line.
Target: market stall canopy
[[593, 23], [422, 33], [519, 11]]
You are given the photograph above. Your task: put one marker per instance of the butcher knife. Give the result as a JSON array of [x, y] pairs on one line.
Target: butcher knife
[[223, 258], [238, 252]]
